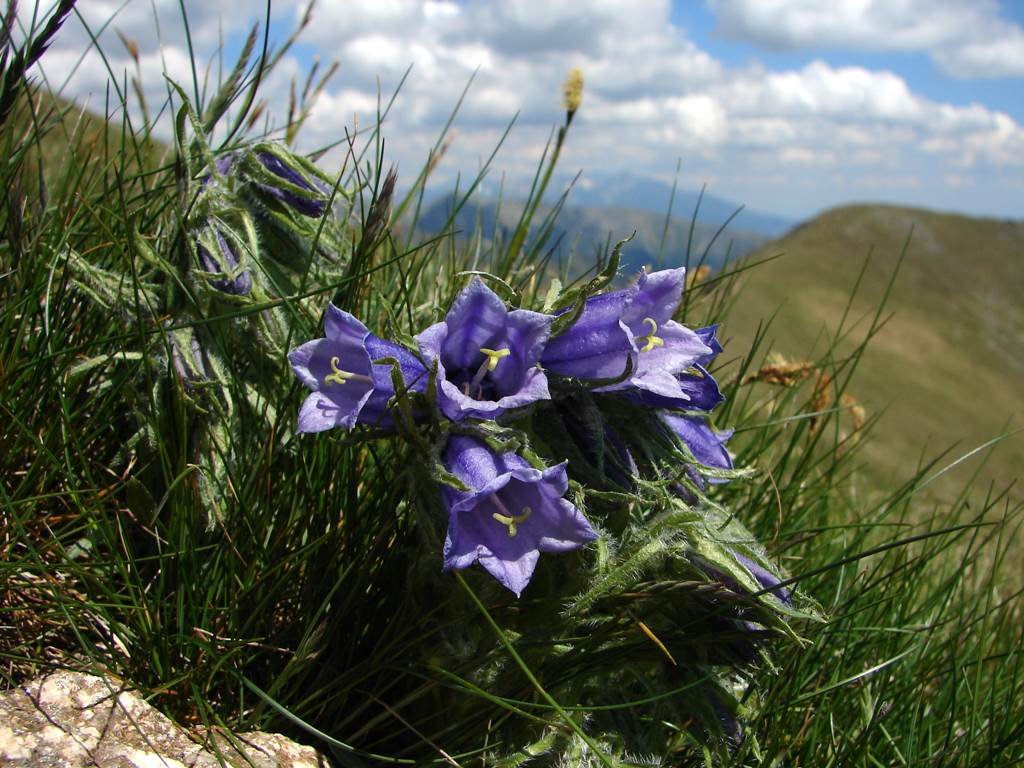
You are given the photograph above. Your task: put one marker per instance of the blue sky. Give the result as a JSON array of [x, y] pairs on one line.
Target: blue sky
[[787, 106], [915, 66]]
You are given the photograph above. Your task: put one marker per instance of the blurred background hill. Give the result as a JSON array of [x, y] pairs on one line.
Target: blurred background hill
[[948, 366], [583, 232]]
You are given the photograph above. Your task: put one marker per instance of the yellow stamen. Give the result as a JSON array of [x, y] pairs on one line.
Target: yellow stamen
[[652, 340], [512, 521], [494, 356], [339, 376]]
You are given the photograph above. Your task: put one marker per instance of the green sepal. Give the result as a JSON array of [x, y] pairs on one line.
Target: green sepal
[[513, 297], [578, 296]]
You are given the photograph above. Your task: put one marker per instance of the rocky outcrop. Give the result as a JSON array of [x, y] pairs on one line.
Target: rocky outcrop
[[72, 720]]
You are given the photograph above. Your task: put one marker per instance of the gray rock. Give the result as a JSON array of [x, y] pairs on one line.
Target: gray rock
[[72, 720]]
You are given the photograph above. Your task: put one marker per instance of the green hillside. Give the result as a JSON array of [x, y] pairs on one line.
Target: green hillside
[[948, 367]]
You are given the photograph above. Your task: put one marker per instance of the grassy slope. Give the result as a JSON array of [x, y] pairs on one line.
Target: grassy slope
[[948, 365]]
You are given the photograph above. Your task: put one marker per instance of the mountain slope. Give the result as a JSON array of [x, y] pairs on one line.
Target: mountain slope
[[948, 366]]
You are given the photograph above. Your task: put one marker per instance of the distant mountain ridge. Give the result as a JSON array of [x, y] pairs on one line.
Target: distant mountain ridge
[[627, 190], [582, 233]]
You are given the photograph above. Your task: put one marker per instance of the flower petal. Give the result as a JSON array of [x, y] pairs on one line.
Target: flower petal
[[457, 405], [319, 413], [472, 461], [680, 349], [525, 335], [343, 327], [701, 389], [414, 373], [657, 295], [660, 383], [597, 345], [709, 335], [300, 358], [477, 316]]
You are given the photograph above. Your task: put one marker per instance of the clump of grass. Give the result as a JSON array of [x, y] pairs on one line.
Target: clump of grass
[[184, 538]]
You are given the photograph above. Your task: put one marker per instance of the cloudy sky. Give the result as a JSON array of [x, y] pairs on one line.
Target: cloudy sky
[[786, 106]]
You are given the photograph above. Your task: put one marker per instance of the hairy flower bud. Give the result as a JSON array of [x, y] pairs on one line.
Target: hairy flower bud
[[224, 245], [285, 179], [192, 361], [188, 359]]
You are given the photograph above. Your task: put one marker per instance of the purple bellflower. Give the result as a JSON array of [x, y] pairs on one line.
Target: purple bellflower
[[699, 389], [510, 514], [633, 324], [347, 386], [486, 355]]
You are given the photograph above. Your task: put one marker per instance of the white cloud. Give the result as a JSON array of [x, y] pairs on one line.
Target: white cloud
[[966, 39], [854, 93], [993, 57], [651, 93]]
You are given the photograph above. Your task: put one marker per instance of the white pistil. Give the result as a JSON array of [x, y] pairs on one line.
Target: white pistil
[[651, 340], [340, 377], [506, 518]]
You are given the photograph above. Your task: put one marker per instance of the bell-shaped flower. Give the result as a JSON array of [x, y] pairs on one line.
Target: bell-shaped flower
[[511, 513], [699, 389], [348, 387], [486, 356], [633, 325]]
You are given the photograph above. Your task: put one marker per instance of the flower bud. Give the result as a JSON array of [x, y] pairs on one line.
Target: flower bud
[[189, 359], [288, 180], [224, 252]]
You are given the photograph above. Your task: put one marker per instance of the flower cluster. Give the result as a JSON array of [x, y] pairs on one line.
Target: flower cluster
[[613, 364]]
